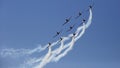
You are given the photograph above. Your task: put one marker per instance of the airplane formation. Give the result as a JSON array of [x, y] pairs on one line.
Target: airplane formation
[[67, 20]]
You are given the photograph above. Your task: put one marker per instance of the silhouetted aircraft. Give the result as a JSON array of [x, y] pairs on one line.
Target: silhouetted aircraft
[[49, 44], [79, 14], [83, 21], [67, 20], [74, 34], [57, 33], [91, 6], [71, 27], [61, 38]]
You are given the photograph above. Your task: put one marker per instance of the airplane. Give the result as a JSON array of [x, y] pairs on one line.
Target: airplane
[[70, 28], [49, 44], [67, 20], [57, 33], [74, 34], [83, 20], [61, 38], [91, 6], [79, 14]]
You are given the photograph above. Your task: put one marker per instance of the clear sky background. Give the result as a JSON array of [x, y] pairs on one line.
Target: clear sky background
[[27, 23]]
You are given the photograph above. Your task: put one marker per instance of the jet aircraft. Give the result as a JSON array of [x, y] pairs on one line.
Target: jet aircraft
[[49, 44], [57, 33], [74, 34], [70, 28], [79, 14], [61, 38], [83, 21], [67, 20], [91, 6]]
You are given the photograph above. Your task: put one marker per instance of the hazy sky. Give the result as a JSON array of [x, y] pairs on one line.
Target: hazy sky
[[27, 23]]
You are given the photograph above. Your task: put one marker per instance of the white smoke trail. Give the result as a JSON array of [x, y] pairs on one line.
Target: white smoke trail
[[70, 46], [16, 52], [65, 52], [44, 60], [52, 55], [20, 52], [77, 37], [90, 19], [56, 55]]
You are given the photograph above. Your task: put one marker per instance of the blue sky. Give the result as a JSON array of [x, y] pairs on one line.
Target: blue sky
[[26, 23]]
